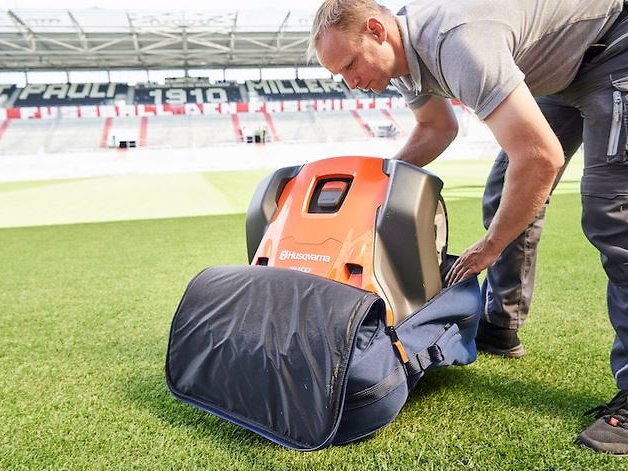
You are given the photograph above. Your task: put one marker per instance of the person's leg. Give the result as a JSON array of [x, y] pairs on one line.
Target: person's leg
[[605, 223], [507, 289], [603, 98]]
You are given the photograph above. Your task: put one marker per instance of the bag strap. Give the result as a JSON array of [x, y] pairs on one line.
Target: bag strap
[[376, 392], [415, 364], [421, 361], [398, 346]]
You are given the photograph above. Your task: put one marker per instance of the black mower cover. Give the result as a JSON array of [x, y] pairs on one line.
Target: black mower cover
[[305, 361]]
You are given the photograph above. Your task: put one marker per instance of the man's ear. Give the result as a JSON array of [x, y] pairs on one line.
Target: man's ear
[[375, 27]]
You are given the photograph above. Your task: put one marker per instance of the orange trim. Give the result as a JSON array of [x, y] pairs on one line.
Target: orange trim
[[105, 133], [361, 123], [237, 128], [143, 131], [3, 128], [271, 125], [401, 351]]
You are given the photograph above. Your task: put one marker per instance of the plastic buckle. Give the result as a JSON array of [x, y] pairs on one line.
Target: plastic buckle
[[392, 333], [435, 353]]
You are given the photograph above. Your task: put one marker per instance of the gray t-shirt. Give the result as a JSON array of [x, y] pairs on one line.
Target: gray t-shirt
[[479, 51]]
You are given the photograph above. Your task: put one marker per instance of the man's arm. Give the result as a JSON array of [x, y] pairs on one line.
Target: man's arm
[[436, 126], [534, 158]]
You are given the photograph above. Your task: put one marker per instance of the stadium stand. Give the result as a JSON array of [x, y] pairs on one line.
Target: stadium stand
[[173, 132], [193, 113], [182, 132], [125, 131], [404, 118], [73, 135], [61, 135], [103, 94], [6, 92], [296, 89], [25, 137], [252, 124], [298, 127], [210, 93], [209, 130], [167, 132], [67, 94], [183, 112], [85, 94], [51, 136], [338, 126], [380, 123]]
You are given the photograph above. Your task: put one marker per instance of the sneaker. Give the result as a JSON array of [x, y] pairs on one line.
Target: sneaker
[[498, 340], [609, 433]]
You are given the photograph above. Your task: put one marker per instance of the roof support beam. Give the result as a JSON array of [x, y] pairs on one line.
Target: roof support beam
[[81, 34], [26, 32], [72, 39], [136, 43], [15, 46]]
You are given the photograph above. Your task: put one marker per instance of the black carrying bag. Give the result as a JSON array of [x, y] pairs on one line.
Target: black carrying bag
[[305, 361]]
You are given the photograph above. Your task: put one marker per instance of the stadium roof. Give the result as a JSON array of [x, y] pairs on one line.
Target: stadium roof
[[118, 39]]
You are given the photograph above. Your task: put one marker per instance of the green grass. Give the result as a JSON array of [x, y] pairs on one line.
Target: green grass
[[86, 310], [126, 197], [132, 197]]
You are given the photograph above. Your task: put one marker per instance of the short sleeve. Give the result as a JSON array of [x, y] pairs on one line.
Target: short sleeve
[[477, 65], [413, 99]]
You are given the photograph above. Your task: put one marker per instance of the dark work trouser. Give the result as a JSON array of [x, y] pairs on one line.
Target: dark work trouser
[[593, 109]]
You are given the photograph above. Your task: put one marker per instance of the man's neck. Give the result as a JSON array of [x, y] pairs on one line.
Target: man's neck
[[396, 41]]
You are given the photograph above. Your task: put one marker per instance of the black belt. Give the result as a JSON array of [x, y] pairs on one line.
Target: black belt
[[597, 48]]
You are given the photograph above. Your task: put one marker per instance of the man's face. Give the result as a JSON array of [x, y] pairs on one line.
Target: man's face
[[364, 61]]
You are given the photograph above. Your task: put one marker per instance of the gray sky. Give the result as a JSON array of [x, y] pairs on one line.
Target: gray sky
[[180, 4]]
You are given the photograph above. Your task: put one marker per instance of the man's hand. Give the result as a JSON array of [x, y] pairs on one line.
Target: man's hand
[[472, 261]]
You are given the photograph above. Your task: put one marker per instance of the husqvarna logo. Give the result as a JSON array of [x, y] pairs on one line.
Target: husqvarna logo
[[308, 257]]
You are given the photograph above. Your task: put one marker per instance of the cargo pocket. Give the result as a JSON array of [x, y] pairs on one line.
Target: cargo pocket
[[605, 224], [617, 153]]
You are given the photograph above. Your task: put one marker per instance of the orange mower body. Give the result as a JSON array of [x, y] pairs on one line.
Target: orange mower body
[[373, 223]]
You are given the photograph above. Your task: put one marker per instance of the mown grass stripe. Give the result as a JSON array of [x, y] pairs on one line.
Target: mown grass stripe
[[84, 328]]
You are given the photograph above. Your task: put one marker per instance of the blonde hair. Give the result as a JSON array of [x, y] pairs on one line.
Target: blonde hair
[[344, 15]]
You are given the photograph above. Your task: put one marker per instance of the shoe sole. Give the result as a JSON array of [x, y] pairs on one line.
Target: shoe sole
[[594, 445], [514, 352]]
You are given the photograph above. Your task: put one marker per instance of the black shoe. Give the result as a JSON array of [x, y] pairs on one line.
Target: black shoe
[[498, 341], [609, 433]]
